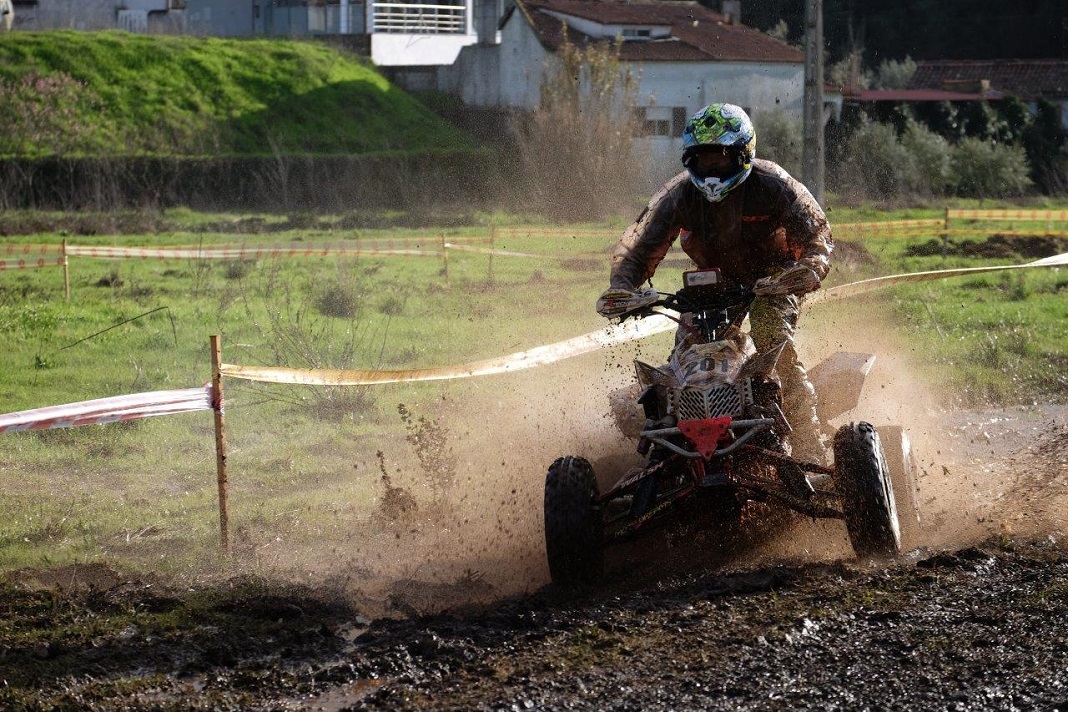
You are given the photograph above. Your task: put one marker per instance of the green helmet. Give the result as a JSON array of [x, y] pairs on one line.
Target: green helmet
[[719, 125]]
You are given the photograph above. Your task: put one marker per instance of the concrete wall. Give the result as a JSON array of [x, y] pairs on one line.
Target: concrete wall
[[505, 75]]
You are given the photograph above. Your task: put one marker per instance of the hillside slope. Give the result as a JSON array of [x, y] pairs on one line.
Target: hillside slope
[[113, 93]]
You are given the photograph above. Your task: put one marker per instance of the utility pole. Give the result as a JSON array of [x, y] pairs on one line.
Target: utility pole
[[812, 169]]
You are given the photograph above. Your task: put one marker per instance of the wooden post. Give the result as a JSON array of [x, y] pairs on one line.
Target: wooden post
[[945, 232], [445, 260], [66, 272], [493, 246], [220, 443]]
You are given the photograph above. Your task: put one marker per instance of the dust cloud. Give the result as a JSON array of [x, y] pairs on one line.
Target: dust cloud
[[979, 474]]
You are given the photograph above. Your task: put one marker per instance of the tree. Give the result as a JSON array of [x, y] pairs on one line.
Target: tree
[[575, 148], [1046, 145]]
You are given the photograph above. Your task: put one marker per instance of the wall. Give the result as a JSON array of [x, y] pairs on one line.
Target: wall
[[502, 75]]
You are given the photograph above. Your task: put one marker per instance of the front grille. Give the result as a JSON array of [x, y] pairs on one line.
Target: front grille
[[711, 402]]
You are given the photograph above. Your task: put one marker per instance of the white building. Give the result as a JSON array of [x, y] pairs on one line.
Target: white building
[[683, 55]]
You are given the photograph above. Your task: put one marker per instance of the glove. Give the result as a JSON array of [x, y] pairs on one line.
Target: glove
[[798, 279], [615, 302]]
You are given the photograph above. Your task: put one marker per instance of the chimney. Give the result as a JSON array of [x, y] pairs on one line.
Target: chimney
[[732, 10], [968, 86]]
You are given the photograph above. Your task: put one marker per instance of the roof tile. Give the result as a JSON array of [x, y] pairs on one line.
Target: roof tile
[[1026, 79], [697, 33]]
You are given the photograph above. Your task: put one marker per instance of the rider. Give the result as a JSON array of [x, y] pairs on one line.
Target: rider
[[757, 224]]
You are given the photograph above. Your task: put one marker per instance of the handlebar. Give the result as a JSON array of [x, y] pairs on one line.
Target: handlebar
[[697, 300]]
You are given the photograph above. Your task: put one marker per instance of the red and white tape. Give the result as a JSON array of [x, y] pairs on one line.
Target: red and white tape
[[32, 263], [108, 410], [242, 252], [16, 248]]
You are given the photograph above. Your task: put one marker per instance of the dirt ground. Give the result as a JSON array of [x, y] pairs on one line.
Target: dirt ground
[[452, 609]]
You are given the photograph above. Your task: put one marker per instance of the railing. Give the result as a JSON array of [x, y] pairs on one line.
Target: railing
[[418, 18]]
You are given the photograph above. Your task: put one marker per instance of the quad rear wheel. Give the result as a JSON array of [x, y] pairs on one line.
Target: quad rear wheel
[[867, 494], [573, 523]]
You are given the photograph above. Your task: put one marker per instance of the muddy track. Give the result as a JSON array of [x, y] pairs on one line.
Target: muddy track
[[770, 618], [984, 627]]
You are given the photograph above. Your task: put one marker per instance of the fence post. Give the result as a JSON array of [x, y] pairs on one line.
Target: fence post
[[220, 443], [493, 246], [445, 259], [66, 272], [945, 232]]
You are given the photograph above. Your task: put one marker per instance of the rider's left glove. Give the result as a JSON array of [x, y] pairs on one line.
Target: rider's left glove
[[798, 279]]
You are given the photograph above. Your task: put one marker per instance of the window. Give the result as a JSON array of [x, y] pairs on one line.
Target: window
[[633, 33], [666, 121], [679, 116]]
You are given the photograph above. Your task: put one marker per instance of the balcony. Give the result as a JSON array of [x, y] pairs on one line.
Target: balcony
[[418, 19], [419, 34]]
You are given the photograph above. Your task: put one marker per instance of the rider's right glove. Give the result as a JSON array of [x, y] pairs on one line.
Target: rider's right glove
[[798, 279], [615, 302]]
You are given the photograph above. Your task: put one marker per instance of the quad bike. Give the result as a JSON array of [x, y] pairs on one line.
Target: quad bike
[[714, 437]]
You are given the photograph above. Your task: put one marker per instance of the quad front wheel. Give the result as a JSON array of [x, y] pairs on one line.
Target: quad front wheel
[[573, 523], [867, 495]]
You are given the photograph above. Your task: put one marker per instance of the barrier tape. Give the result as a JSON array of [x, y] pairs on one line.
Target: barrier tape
[[512, 253], [539, 356], [559, 232], [888, 226], [237, 253], [1008, 214], [13, 248], [868, 285], [31, 263], [108, 410]]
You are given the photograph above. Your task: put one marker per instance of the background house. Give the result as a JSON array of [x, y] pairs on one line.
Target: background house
[[683, 55], [1029, 80]]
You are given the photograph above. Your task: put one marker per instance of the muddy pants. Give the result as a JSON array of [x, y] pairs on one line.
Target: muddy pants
[[773, 321]]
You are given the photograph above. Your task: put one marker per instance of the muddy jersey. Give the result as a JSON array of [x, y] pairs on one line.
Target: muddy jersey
[[766, 223]]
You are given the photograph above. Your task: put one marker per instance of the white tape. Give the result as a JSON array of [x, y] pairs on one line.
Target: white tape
[[539, 356], [869, 285], [108, 410]]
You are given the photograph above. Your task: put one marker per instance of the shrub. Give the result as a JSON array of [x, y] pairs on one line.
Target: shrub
[[574, 150], [875, 164], [779, 139], [986, 170], [337, 300], [895, 75], [932, 157]]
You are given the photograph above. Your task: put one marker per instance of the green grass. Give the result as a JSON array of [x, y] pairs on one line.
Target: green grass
[[207, 96], [303, 461]]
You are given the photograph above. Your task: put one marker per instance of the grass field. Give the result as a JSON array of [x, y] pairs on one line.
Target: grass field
[[306, 463]]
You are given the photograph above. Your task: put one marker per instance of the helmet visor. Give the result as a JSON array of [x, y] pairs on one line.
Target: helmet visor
[[712, 161]]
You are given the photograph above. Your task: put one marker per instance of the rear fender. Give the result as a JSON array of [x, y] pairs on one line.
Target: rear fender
[[838, 381]]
